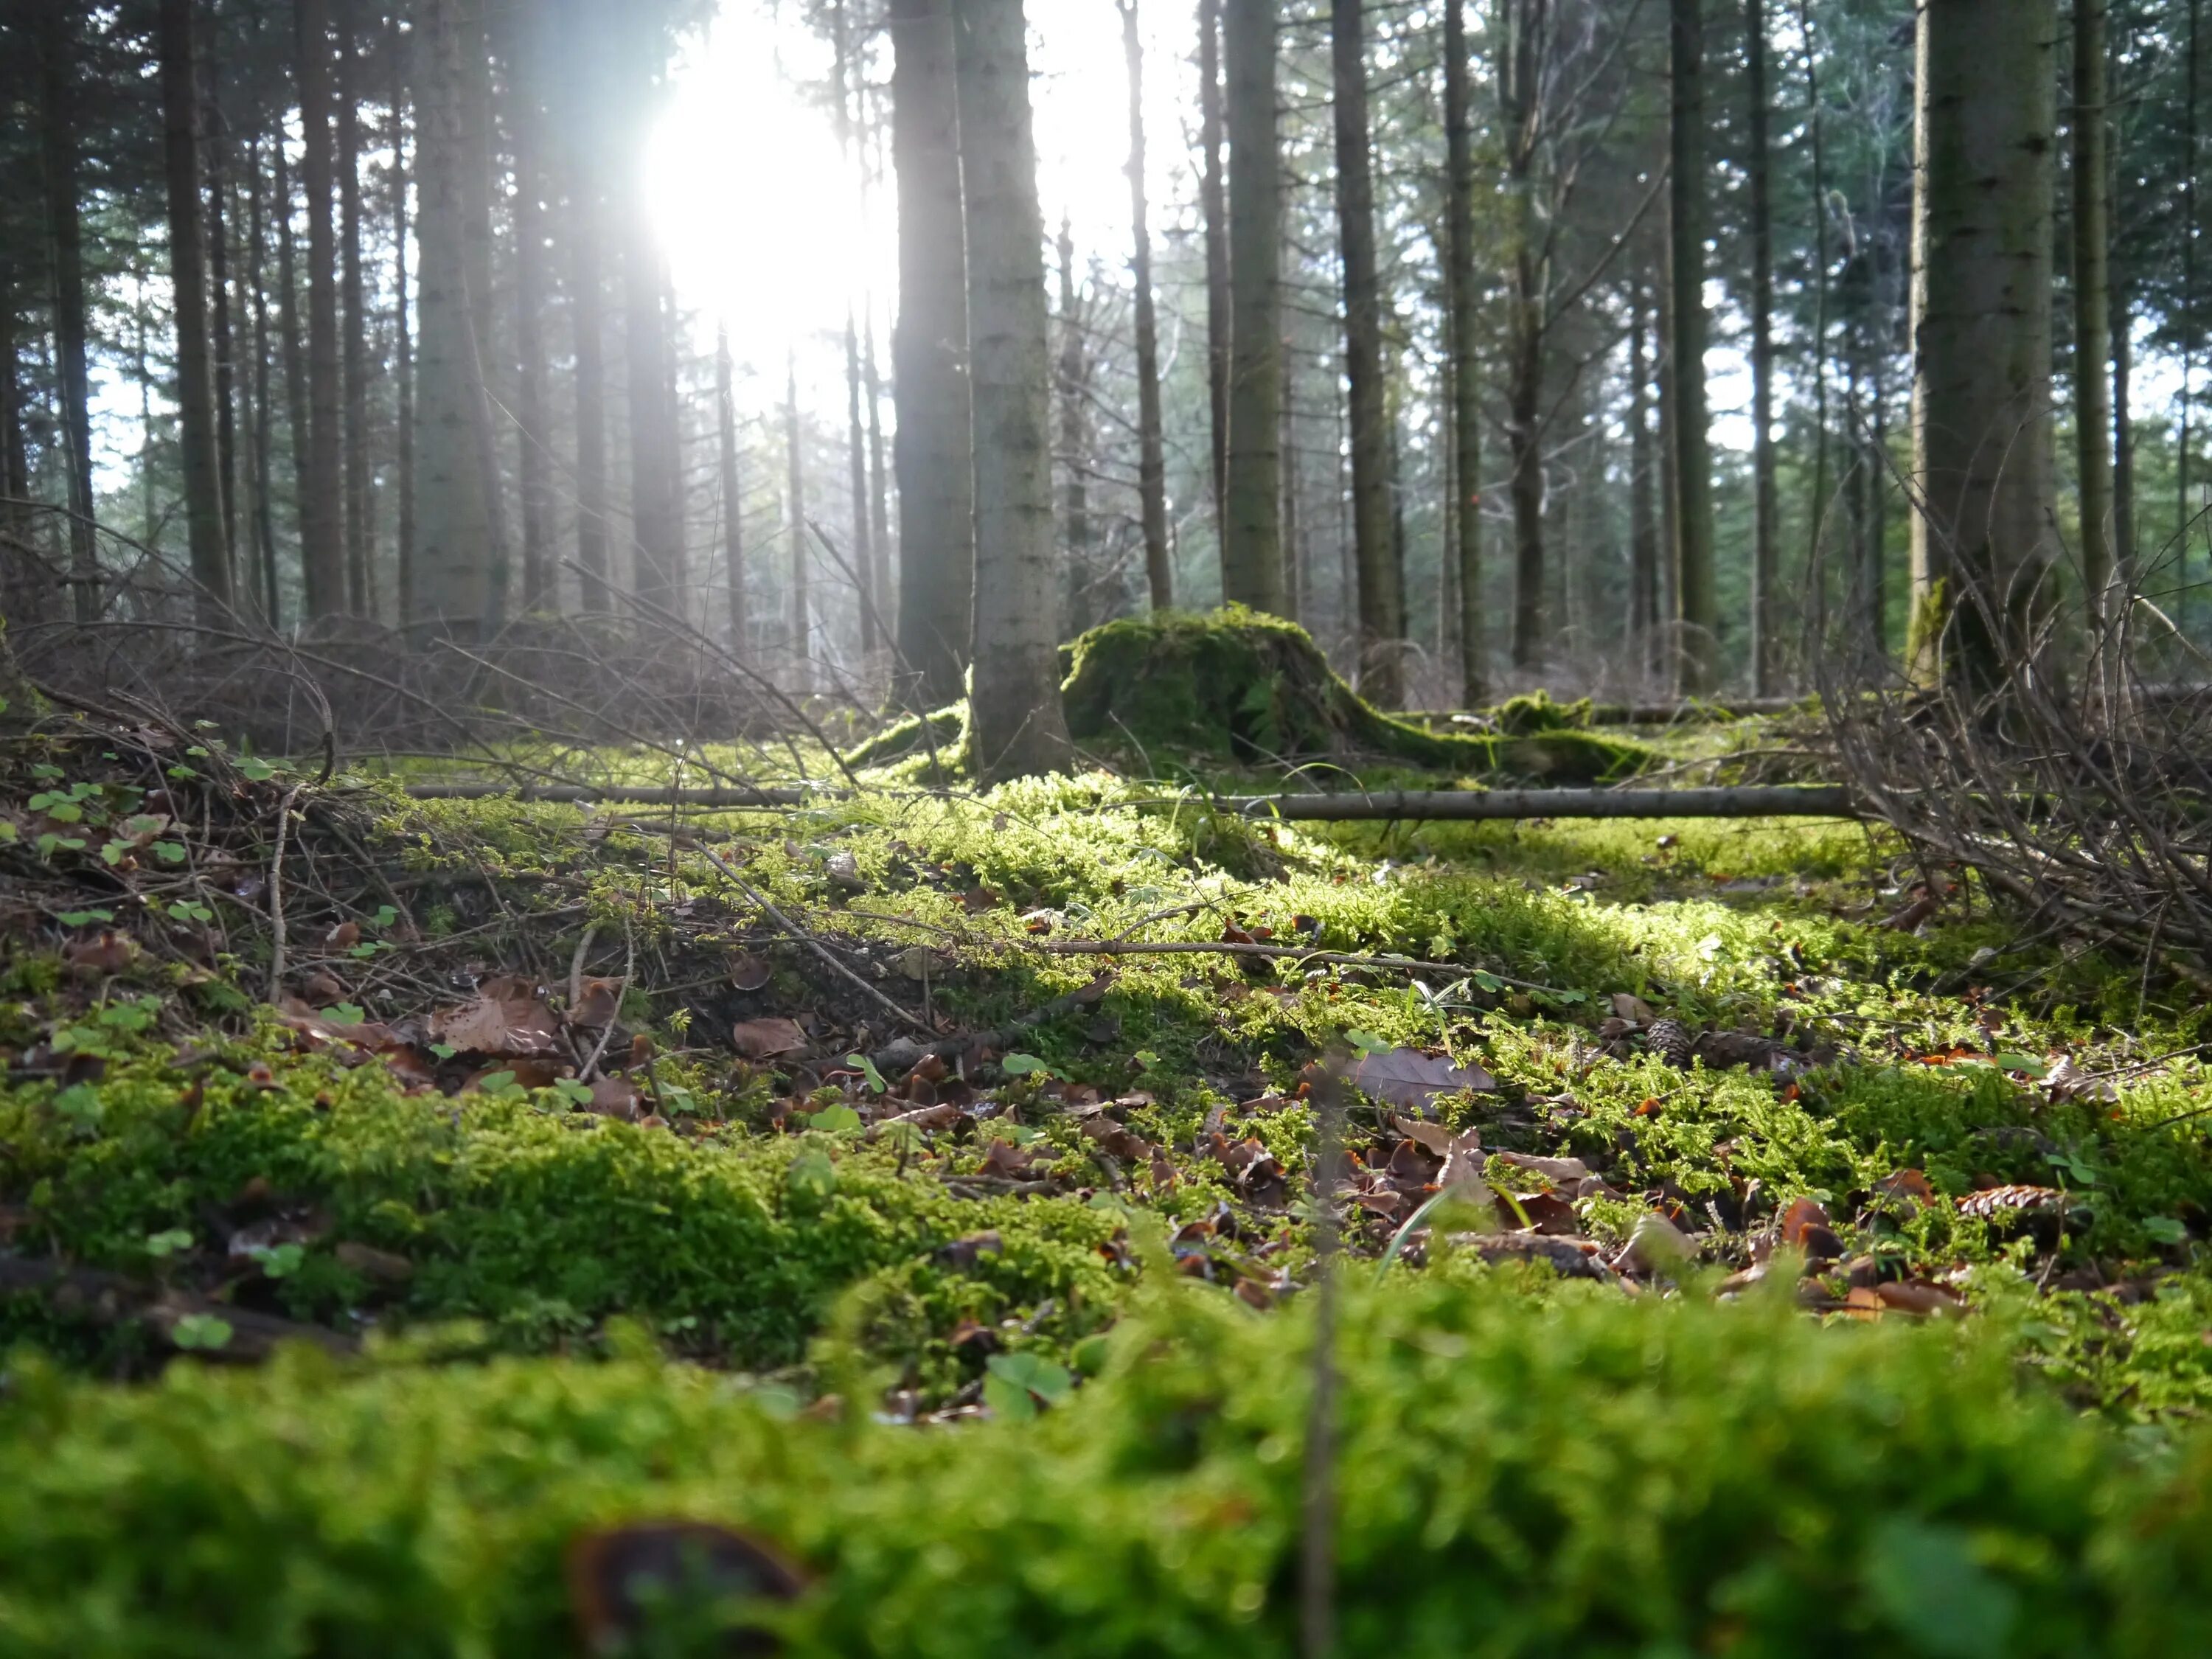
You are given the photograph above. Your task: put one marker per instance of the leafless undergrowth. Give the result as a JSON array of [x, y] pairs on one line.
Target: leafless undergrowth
[[2073, 776], [540, 699]]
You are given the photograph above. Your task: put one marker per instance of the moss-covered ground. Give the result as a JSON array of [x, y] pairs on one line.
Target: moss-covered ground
[[1749, 1251]]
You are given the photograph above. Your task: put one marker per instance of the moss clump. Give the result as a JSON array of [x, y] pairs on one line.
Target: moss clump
[[1533, 713], [1570, 1479], [1238, 686]]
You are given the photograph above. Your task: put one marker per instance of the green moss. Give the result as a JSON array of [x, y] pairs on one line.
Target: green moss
[[543, 1221], [1240, 687], [1576, 1478]]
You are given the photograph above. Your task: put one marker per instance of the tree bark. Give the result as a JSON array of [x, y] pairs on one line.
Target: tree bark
[[586, 298], [932, 450], [1521, 111], [1697, 610], [264, 519], [1016, 725], [1818, 504], [322, 552], [1983, 542], [2093, 388], [794, 446], [856, 476], [1070, 376], [360, 578], [403, 365], [1251, 549], [1764, 511], [655, 480], [1151, 462], [216, 146], [1643, 515], [1464, 392], [1213, 213], [527, 128], [734, 530], [880, 581], [1381, 578], [454, 518], [58, 112], [196, 422]]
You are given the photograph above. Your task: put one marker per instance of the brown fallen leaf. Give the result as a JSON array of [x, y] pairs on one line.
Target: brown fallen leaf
[[1541, 1212], [596, 999], [1906, 1184], [1431, 1137], [1118, 1141], [343, 937], [962, 1253], [1565, 1171], [1628, 1006], [1918, 1297], [105, 952], [1802, 1212], [1408, 1078], [614, 1096], [507, 1017], [929, 1117], [766, 1038], [1007, 1161], [1656, 1245], [750, 973]]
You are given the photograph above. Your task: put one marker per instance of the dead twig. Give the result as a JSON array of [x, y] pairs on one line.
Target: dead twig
[[801, 936], [276, 896]]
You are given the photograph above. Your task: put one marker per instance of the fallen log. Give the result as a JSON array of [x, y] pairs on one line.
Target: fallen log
[[1745, 801]]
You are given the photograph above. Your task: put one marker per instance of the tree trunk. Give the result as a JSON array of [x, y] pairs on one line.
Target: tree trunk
[[22, 587], [58, 117], [527, 128], [361, 581], [879, 505], [734, 533], [454, 518], [587, 308], [196, 422], [1151, 463], [1520, 115], [322, 552], [1016, 724], [2191, 58], [264, 518], [795, 444], [294, 348], [655, 479], [217, 146], [932, 450], [1465, 388], [1818, 504], [2123, 424], [856, 475], [1213, 212], [1295, 593], [1251, 549], [2093, 388], [1699, 612], [1381, 582], [1764, 522], [402, 366], [1070, 376], [1982, 545], [1643, 515]]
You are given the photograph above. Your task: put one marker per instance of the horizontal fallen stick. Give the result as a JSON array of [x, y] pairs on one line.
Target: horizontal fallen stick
[[1745, 801]]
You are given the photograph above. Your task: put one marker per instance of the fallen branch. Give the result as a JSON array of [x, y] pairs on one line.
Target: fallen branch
[[113, 1298], [895, 1059], [276, 896]]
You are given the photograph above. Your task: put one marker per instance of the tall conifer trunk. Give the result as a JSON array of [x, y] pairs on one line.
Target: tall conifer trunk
[[1696, 607], [1016, 724], [1213, 215], [1464, 392], [402, 363], [733, 529], [1251, 548], [932, 452], [1374, 552], [56, 36], [361, 583], [196, 423], [1152, 464], [1765, 513], [526, 130], [322, 551], [1983, 542], [2093, 387]]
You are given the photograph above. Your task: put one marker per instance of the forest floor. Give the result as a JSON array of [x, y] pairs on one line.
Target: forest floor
[[920, 1181]]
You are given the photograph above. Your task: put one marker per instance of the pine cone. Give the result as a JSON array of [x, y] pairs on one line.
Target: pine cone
[[2009, 1203], [1670, 1039]]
